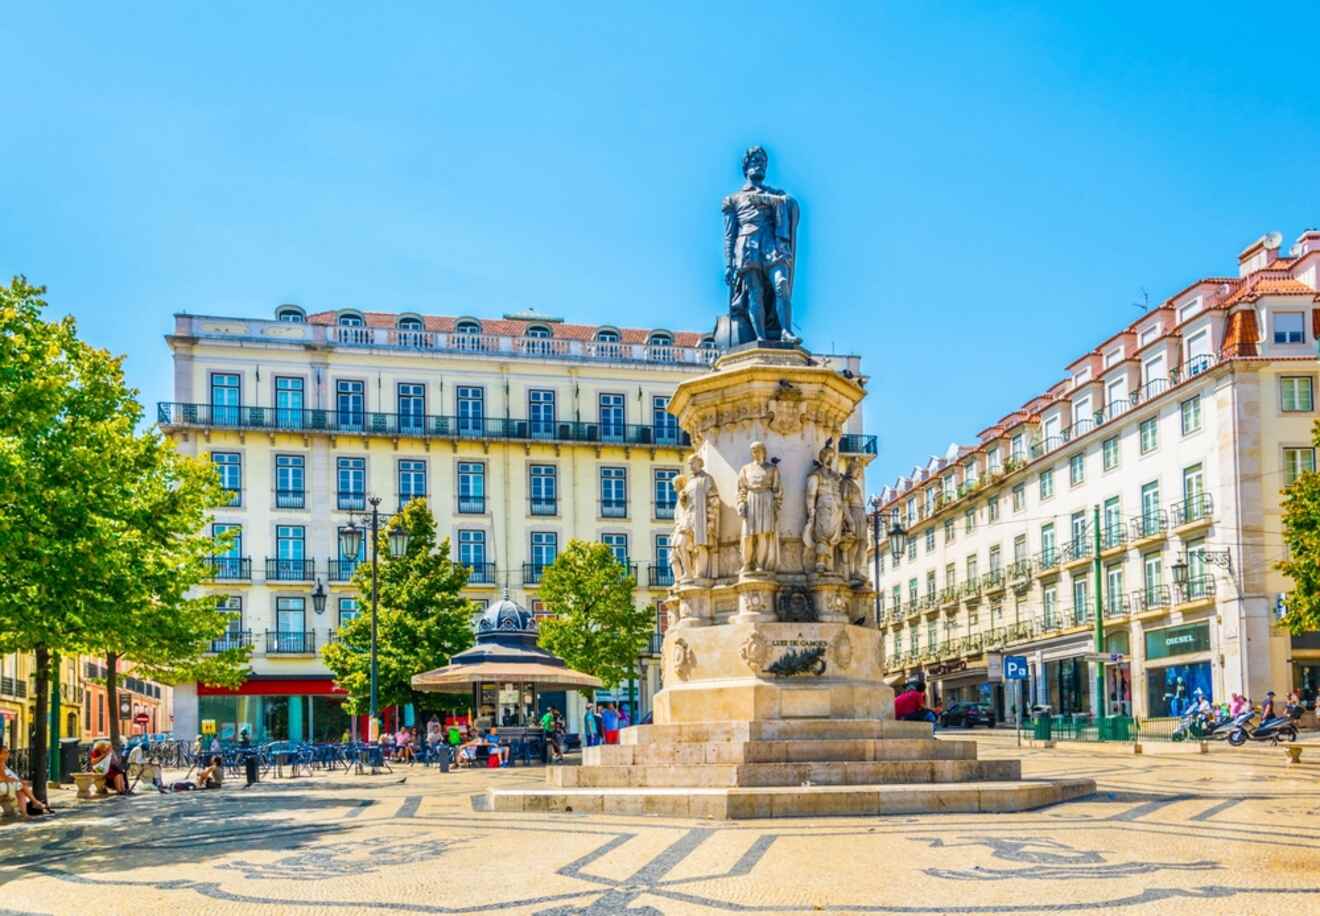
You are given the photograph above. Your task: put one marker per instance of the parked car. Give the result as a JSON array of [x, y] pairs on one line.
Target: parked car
[[968, 715]]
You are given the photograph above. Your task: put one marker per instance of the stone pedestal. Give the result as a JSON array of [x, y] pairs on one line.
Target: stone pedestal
[[773, 702]]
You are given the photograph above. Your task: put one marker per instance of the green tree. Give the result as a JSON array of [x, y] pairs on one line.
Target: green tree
[[595, 627], [1301, 534], [422, 621], [77, 482]]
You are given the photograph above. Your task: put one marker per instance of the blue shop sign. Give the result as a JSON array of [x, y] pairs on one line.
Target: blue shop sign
[[1194, 637]]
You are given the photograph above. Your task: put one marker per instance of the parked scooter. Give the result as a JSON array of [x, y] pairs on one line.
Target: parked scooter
[[1274, 730], [1217, 728]]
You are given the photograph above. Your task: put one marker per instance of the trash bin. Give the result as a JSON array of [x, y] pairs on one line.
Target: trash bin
[[68, 759], [250, 766], [442, 757], [1042, 728]]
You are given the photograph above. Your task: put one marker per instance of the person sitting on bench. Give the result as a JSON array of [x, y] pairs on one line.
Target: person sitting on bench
[[19, 789], [467, 751]]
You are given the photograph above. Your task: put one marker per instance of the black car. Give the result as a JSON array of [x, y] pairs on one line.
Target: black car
[[968, 715]]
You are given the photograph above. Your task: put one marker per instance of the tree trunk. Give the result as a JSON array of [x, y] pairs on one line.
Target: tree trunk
[[112, 696], [40, 750]]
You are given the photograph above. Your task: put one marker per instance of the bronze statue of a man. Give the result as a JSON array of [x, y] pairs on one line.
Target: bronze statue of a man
[[760, 243]]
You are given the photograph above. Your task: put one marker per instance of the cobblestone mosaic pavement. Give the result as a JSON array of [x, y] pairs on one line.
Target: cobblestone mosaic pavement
[[1167, 833]]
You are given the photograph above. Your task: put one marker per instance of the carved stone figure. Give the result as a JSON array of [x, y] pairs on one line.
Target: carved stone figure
[[852, 545], [754, 651], [694, 544], [824, 528], [843, 650], [760, 241], [684, 658], [760, 497]]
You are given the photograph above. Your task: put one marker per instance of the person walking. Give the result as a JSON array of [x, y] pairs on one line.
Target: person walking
[[590, 728], [610, 724]]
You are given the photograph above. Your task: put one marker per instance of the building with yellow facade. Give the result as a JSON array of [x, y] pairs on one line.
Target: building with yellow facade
[[522, 432]]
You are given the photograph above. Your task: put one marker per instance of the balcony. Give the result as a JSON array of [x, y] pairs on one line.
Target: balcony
[[994, 581], [472, 505], [1076, 551], [1019, 572], [1117, 606], [659, 576], [172, 414], [230, 569], [664, 510], [1149, 527], [949, 595], [351, 501], [533, 572], [290, 642], [857, 445], [285, 570], [632, 571], [654, 644], [614, 508], [929, 601], [1113, 537], [1195, 511], [342, 570], [481, 574], [543, 505], [1153, 598], [971, 591], [290, 499], [1047, 562], [1196, 590], [234, 639]]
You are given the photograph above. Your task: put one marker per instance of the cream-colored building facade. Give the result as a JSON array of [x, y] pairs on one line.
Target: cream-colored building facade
[[1180, 430], [522, 432]]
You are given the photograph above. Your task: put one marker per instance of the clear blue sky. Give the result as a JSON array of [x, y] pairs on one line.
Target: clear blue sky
[[984, 187]]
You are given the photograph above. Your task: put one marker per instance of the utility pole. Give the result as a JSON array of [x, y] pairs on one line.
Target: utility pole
[[1099, 628]]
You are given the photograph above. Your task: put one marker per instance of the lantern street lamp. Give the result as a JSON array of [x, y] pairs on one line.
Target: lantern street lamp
[[897, 535], [318, 598], [1180, 571], [350, 545]]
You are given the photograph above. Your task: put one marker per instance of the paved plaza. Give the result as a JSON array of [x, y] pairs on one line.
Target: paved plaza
[[1170, 831]]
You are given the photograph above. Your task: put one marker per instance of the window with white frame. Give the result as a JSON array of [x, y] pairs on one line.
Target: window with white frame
[[1114, 356], [1149, 335], [992, 459], [930, 539], [1296, 462], [1190, 411], [992, 509], [1189, 310], [1109, 450], [1019, 447], [1082, 376], [1019, 497], [969, 520], [1289, 328], [1296, 394], [1077, 469], [1149, 433], [1047, 483]]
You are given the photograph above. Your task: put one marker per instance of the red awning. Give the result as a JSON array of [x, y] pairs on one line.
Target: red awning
[[279, 687]]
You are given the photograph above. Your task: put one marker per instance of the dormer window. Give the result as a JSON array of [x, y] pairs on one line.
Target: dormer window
[[660, 339], [707, 343], [467, 327], [1113, 356], [1189, 310], [539, 332], [607, 335], [1150, 335], [351, 320], [290, 313], [1082, 377], [410, 324], [1289, 328]]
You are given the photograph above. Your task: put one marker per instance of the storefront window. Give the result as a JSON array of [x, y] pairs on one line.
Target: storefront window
[[1171, 690], [1066, 681]]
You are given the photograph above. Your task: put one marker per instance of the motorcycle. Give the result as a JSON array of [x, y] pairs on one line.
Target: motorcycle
[[1273, 729], [1199, 728]]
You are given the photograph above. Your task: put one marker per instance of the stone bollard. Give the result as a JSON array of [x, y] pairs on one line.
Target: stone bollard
[[1136, 747], [1294, 754]]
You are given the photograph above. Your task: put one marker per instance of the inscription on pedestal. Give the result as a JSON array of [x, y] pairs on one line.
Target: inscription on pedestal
[[801, 656]]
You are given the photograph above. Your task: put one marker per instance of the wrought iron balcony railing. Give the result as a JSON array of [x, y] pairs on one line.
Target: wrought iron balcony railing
[[342, 570], [658, 576], [285, 570], [481, 574], [290, 642], [231, 568], [1200, 507], [234, 639]]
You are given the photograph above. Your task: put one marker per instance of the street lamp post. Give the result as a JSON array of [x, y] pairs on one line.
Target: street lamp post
[[350, 544]]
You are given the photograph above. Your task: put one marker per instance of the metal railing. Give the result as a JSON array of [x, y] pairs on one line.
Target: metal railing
[[533, 572], [1117, 606], [1149, 524], [352, 501], [614, 508], [1113, 535], [285, 570], [664, 510], [481, 573], [659, 576], [472, 505], [854, 444], [994, 580], [1196, 588], [1150, 598], [1079, 548], [1047, 560], [234, 639], [1020, 569], [1193, 509], [543, 505], [290, 499], [231, 568], [342, 570], [290, 642]]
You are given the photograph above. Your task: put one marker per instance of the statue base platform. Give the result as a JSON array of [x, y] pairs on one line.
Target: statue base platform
[[786, 768]]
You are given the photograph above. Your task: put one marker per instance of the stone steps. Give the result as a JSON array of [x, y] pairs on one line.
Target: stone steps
[[774, 730], [795, 751], [786, 774], [792, 801]]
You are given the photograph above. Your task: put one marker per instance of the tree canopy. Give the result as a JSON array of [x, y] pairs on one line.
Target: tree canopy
[[1301, 534], [595, 627], [101, 527], [423, 618]]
